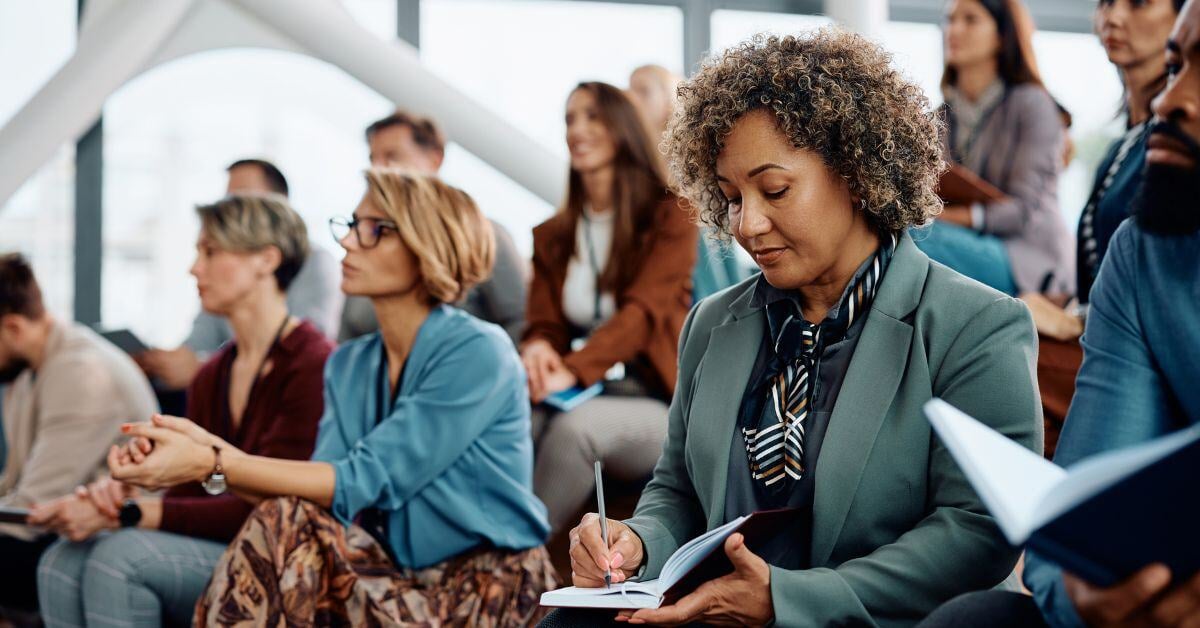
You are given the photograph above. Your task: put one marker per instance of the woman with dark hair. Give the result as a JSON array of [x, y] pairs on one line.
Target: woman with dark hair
[[802, 387], [1003, 125], [611, 287], [1133, 33]]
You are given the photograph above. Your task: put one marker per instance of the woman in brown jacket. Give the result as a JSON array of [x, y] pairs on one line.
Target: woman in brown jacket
[[611, 287]]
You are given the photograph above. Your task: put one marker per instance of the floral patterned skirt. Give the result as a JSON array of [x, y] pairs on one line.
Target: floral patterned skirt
[[293, 564]]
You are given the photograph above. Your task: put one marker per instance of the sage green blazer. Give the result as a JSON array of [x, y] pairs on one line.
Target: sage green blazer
[[897, 529]]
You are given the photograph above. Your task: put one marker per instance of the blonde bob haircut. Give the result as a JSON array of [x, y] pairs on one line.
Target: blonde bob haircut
[[442, 227], [251, 222]]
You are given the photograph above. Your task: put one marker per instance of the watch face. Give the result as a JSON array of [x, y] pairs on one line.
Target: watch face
[[215, 484], [130, 514]]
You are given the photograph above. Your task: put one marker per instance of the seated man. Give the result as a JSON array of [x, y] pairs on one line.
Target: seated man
[[405, 141], [68, 391], [1139, 373], [314, 295]]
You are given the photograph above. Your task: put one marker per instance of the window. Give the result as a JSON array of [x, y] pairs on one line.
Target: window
[[521, 59], [1076, 70], [730, 28], [170, 133], [36, 38]]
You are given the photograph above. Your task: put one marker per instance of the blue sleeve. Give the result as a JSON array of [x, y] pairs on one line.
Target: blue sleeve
[[455, 398], [333, 442], [1120, 397]]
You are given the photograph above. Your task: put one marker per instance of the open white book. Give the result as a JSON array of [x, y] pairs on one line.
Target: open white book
[[1104, 517], [686, 567]]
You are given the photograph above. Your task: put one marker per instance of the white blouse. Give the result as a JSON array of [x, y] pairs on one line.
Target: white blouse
[[593, 242]]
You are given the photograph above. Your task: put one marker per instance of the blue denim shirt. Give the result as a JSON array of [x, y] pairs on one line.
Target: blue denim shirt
[[450, 460], [1139, 375]]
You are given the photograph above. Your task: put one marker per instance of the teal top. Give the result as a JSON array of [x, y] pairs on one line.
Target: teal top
[[448, 460]]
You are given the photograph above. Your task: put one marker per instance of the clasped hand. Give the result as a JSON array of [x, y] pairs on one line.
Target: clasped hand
[[165, 452]]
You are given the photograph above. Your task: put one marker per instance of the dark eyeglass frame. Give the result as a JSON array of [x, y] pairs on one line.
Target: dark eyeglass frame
[[346, 225]]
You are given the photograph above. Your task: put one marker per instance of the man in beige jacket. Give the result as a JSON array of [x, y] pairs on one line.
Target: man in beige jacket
[[68, 392]]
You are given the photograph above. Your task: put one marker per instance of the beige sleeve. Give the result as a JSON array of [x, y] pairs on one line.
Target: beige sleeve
[[79, 416]]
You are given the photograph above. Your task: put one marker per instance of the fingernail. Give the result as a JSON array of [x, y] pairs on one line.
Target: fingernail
[[617, 560], [125, 427]]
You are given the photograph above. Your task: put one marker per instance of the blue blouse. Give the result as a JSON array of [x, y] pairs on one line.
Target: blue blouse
[[450, 460]]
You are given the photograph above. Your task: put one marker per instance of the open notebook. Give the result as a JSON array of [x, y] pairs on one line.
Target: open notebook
[[697, 561], [1102, 518]]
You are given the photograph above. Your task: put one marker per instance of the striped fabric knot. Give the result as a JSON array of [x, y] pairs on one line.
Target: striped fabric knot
[[776, 450]]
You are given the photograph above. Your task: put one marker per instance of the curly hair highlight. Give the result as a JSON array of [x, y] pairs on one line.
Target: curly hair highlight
[[831, 92]]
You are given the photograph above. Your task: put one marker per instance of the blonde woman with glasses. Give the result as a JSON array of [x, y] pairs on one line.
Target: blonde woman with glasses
[[417, 505]]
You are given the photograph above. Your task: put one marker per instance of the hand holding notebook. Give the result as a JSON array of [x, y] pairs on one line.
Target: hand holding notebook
[[696, 562], [1102, 518]]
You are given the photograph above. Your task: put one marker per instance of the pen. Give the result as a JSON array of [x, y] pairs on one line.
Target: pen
[[603, 521]]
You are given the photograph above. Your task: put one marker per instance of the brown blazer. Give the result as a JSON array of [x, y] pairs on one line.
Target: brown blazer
[[650, 310]]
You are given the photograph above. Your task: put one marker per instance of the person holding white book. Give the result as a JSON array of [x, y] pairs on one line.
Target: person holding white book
[[802, 388]]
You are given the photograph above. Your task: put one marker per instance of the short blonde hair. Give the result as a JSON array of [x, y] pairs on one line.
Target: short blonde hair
[[441, 225], [249, 222]]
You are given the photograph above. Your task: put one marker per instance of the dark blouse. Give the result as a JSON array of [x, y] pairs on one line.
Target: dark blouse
[[280, 421], [744, 495], [1111, 202]]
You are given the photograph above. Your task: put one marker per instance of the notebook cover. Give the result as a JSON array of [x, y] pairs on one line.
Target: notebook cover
[[960, 186], [760, 528], [1150, 516]]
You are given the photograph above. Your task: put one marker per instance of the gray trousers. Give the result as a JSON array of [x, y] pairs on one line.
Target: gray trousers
[[625, 434], [125, 578]]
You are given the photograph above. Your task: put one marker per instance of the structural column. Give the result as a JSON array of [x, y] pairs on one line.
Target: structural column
[[866, 17]]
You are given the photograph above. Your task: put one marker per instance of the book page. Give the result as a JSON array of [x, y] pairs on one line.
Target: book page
[[694, 551], [1010, 479]]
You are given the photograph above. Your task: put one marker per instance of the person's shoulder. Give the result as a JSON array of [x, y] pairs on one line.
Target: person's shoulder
[[85, 361], [714, 309], [352, 352], [1034, 98], [461, 331], [308, 345], [552, 227], [954, 300]]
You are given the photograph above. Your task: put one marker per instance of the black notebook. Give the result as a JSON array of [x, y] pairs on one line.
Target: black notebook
[[1102, 518]]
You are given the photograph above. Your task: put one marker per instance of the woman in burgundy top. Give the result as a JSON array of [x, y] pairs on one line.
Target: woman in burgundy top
[[262, 392]]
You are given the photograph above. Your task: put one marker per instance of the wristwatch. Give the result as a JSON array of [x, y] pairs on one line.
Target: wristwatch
[[130, 514], [215, 484]]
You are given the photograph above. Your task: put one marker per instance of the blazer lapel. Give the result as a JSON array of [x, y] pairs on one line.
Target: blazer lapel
[[872, 380], [732, 349]]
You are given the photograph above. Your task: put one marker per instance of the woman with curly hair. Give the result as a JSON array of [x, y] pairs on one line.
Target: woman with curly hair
[[803, 387], [1002, 124]]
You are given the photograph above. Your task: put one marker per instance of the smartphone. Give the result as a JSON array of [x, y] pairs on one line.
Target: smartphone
[[14, 515], [570, 398]]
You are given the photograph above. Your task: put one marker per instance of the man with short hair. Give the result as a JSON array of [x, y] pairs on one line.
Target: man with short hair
[[404, 140], [68, 392], [315, 295]]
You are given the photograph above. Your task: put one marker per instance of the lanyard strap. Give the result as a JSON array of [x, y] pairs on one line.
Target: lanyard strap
[[258, 374]]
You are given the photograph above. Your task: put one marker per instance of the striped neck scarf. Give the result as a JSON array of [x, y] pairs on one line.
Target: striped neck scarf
[[775, 448]]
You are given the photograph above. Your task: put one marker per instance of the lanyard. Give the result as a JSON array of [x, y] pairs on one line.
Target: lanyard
[[227, 415]]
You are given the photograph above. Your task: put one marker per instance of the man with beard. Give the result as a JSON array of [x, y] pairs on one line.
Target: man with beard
[[68, 391], [1139, 378]]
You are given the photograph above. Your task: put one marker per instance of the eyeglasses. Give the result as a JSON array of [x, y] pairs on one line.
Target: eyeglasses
[[367, 231]]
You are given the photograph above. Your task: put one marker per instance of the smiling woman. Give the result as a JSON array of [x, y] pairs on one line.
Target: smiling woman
[[816, 156]]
